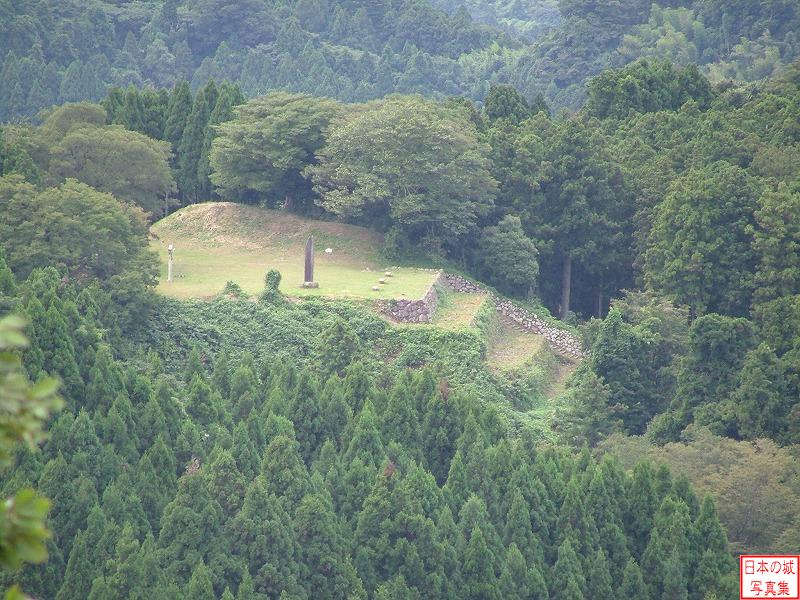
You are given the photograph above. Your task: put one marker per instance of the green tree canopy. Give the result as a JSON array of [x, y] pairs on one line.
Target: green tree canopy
[[509, 258], [408, 162], [699, 251], [261, 153], [125, 163]]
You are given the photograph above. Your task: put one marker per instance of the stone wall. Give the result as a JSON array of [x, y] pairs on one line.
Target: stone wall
[[413, 311], [422, 311], [560, 340]]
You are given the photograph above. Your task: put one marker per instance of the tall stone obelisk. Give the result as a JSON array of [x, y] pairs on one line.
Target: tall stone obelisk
[[308, 276]]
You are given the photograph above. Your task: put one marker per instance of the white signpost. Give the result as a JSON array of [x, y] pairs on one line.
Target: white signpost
[[170, 250]]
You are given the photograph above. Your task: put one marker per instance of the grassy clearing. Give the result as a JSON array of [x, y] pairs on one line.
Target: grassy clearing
[[510, 347], [457, 311], [220, 241]]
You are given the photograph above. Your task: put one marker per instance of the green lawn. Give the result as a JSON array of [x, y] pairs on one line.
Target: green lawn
[[457, 311], [510, 347], [220, 241]]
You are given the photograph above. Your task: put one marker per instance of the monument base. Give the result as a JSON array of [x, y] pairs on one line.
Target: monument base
[[310, 284]]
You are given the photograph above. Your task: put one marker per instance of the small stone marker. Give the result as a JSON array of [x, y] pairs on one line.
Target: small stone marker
[[381, 280], [328, 250], [388, 273], [375, 288]]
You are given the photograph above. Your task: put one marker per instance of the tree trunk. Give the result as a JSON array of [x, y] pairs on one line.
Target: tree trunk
[[599, 304], [566, 284]]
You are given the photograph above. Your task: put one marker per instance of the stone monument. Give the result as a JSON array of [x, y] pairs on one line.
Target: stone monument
[[308, 275]]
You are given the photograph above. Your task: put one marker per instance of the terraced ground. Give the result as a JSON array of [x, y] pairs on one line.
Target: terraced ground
[[216, 242]]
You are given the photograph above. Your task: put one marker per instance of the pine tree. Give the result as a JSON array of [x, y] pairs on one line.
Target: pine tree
[[642, 507], [200, 403], [513, 582], [261, 534], [191, 146], [305, 412], [194, 366], [400, 419], [711, 544], [357, 386], [396, 589], [671, 534], [80, 571], [456, 489], [199, 587], [113, 102], [518, 530], [325, 571], [576, 522], [105, 381], [474, 515], [247, 590], [480, 582], [59, 353], [440, 430], [222, 375], [776, 240], [568, 581], [245, 453], [243, 389], [336, 412], [8, 283], [132, 114], [598, 579], [337, 346], [225, 482], [127, 573], [674, 586], [762, 400], [180, 106], [284, 473], [190, 528], [633, 583], [222, 111], [366, 442]]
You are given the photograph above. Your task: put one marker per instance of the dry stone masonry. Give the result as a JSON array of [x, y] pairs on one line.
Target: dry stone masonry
[[422, 311], [413, 311], [561, 340]]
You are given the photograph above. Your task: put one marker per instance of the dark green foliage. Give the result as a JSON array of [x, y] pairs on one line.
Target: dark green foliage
[[647, 86], [252, 518], [615, 360], [718, 346], [508, 256], [505, 102], [338, 346], [570, 194], [633, 583], [271, 294], [260, 154], [569, 581], [191, 145], [702, 228]]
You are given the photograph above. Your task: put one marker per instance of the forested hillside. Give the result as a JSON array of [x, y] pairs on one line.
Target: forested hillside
[[56, 51], [307, 473], [216, 437]]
